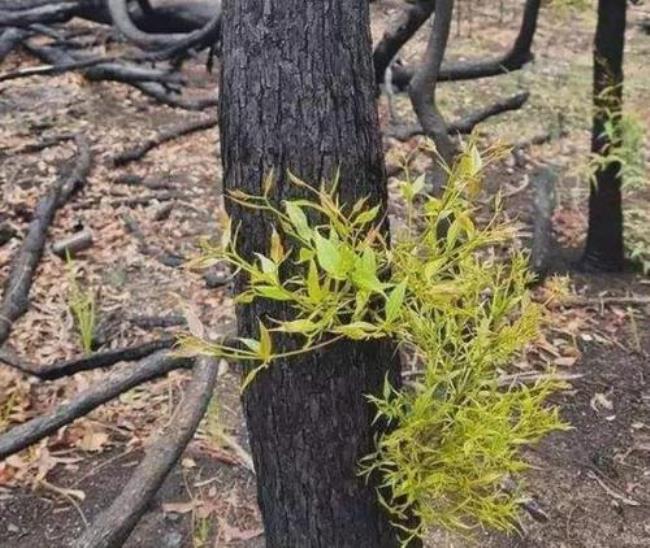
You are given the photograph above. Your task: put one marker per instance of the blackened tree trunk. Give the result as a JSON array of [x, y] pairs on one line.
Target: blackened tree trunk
[[604, 249], [298, 93]]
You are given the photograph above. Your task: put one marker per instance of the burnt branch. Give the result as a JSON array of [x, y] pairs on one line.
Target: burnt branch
[[470, 121], [423, 86], [113, 526], [519, 55], [26, 434], [15, 298], [138, 151], [394, 39], [171, 44]]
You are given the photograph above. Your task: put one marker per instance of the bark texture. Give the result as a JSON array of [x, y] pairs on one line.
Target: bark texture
[[604, 249], [298, 93]]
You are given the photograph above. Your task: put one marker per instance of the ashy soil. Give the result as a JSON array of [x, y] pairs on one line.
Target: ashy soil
[[589, 487]]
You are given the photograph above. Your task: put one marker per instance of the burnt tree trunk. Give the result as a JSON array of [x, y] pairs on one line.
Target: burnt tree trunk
[[298, 93], [604, 249]]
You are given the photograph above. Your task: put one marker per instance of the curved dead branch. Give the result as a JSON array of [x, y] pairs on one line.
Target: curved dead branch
[[423, 86], [9, 39], [113, 526], [393, 40], [36, 429], [470, 121], [171, 43], [137, 152], [519, 55], [15, 298]]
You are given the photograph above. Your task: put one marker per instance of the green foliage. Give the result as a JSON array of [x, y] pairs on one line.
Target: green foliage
[[626, 149], [564, 6], [82, 307], [637, 238], [446, 297]]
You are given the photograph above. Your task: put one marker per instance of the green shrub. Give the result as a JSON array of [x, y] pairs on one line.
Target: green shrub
[[455, 299]]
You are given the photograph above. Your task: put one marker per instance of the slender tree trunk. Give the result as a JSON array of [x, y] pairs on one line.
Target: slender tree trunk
[[604, 249], [298, 93]]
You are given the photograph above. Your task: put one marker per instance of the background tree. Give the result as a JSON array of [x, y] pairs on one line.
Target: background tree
[[604, 249], [298, 94]]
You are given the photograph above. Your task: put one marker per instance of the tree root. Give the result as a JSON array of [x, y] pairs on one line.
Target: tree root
[[113, 526]]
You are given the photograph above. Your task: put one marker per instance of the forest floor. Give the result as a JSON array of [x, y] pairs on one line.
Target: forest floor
[[592, 482]]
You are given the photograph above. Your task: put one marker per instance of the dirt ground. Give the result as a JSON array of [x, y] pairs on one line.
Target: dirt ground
[[591, 484]]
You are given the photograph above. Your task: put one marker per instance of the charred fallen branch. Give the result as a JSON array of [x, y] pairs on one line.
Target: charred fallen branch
[[138, 151], [113, 526], [519, 54], [167, 45], [99, 360], [26, 434], [15, 298], [467, 123]]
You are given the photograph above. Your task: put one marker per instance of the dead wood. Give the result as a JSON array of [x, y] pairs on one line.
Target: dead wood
[[47, 13], [171, 43], [137, 152], [73, 244], [137, 180], [393, 40], [66, 368], [467, 123], [128, 74], [422, 90], [9, 39], [163, 196], [16, 291], [164, 96], [113, 526], [518, 56], [544, 206], [26, 434]]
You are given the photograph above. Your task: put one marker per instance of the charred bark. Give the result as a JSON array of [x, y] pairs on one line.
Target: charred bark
[[604, 248], [298, 93]]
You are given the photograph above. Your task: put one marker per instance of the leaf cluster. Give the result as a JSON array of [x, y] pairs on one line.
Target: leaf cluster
[[444, 293]]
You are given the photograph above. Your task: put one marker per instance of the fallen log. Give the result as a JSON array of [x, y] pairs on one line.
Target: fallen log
[[26, 434], [114, 525], [152, 82], [73, 244], [137, 152], [15, 298]]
